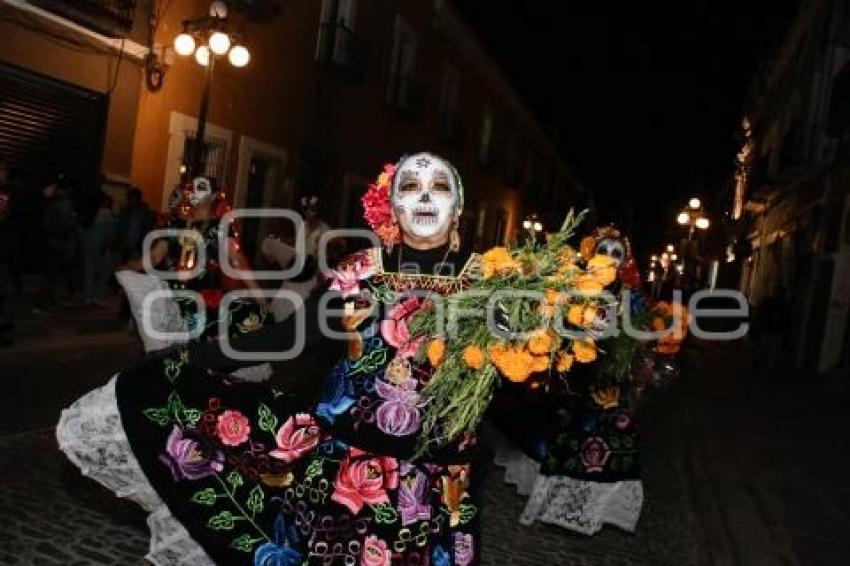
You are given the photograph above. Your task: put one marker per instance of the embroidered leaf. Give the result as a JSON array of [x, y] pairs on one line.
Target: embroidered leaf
[[277, 392], [160, 416], [256, 499], [222, 522], [384, 513], [172, 369], [268, 421], [243, 543], [191, 416], [175, 405], [234, 478], [206, 496], [467, 512], [614, 442], [315, 468]]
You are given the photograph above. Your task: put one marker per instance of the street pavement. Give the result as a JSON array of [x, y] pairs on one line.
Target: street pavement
[[739, 467]]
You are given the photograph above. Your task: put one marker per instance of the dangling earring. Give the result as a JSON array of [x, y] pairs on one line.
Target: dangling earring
[[454, 239]]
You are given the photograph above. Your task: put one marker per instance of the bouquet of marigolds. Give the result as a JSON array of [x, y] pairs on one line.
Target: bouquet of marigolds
[[550, 311]]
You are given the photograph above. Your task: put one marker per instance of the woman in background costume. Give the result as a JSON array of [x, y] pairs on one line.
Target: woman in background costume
[[577, 457]]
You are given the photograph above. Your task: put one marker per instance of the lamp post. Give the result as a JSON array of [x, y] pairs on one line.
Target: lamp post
[[533, 226], [208, 38], [693, 217]]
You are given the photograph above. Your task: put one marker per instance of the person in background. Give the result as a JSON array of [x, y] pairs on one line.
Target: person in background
[[135, 220], [59, 224], [97, 230]]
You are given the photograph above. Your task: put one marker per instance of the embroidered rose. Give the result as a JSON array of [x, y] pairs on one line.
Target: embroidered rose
[[233, 428], [375, 552], [345, 278], [298, 435], [594, 454], [394, 328], [622, 421], [464, 549], [186, 459], [398, 414], [363, 478], [412, 493]]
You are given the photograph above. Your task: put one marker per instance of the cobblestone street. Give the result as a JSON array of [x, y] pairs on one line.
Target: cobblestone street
[[737, 469]]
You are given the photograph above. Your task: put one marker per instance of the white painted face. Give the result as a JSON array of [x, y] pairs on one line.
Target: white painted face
[[425, 196], [613, 248]]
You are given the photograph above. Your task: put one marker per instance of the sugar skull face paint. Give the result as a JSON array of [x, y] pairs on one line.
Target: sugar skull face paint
[[613, 248], [425, 196]]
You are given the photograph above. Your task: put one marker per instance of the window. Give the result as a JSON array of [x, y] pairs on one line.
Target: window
[[402, 61], [338, 45], [486, 139], [448, 103]]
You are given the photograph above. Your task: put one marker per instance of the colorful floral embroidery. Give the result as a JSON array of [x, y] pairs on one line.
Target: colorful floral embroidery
[[364, 478], [298, 435], [233, 428], [188, 459]]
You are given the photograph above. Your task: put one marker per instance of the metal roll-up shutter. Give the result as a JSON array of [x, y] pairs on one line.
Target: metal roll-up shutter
[[48, 127]]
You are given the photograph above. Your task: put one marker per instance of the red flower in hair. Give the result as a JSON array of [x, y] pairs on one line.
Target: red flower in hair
[[377, 209]]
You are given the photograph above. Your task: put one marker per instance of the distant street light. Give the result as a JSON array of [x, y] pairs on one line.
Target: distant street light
[[694, 203]]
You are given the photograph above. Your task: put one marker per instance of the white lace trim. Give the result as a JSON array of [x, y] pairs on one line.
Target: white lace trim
[[584, 506], [90, 433], [579, 505]]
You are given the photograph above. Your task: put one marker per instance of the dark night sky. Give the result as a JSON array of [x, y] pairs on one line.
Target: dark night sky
[[652, 95]]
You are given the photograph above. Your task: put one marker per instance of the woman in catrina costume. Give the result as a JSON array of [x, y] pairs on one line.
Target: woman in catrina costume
[[575, 453], [238, 473]]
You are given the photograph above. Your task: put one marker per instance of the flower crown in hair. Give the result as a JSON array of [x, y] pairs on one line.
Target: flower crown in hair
[[377, 210]]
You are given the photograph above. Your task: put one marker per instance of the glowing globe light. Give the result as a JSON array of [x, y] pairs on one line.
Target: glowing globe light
[[702, 223], [202, 55], [538, 226], [219, 43], [239, 56], [683, 218], [694, 203], [526, 224], [184, 44]]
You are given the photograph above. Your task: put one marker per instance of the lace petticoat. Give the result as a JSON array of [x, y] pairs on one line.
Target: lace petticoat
[[91, 435]]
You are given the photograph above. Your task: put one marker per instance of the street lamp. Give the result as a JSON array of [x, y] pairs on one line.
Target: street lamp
[[533, 226], [693, 217], [208, 38]]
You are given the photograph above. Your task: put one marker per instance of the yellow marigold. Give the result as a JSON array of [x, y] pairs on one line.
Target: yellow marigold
[[584, 350], [563, 362], [473, 357], [607, 397], [542, 342], [603, 269], [587, 247], [497, 260], [436, 351]]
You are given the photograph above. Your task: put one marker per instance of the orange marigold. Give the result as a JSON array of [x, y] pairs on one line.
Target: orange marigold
[[473, 357], [436, 351], [540, 363], [584, 350], [513, 362], [542, 342], [563, 362], [589, 285], [497, 260]]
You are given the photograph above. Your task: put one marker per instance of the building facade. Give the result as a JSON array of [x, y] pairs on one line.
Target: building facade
[[334, 89], [791, 189]]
